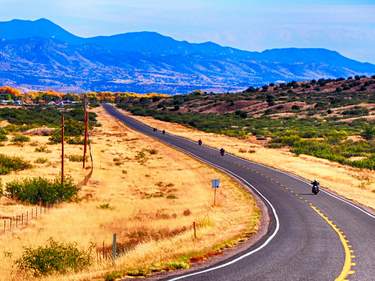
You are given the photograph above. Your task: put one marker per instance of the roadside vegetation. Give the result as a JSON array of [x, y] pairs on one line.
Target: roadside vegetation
[[54, 257], [312, 118], [21, 120], [41, 190], [147, 193], [9, 164]]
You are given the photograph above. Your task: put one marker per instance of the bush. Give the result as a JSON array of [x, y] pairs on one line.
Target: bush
[[368, 133], [54, 258], [76, 158], [113, 276], [41, 160], [3, 135], [9, 164], [20, 139], [42, 148], [41, 190]]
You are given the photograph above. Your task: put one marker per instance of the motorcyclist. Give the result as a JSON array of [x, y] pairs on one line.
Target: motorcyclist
[[222, 151], [315, 186], [315, 183], [200, 142]]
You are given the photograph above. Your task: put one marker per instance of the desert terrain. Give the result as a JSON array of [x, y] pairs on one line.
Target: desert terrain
[[146, 192]]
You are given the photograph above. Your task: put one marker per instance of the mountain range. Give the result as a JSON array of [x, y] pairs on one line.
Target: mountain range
[[42, 55]]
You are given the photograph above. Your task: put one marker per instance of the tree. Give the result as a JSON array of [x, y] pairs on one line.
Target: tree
[[368, 133], [270, 99]]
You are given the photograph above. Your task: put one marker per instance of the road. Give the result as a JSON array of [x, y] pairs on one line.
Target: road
[[310, 237]]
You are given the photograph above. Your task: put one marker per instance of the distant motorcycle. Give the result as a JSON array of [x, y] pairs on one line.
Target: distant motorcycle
[[155, 130], [222, 152], [200, 142], [315, 187], [163, 132]]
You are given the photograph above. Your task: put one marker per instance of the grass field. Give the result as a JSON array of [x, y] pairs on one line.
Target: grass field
[[145, 192], [353, 183]]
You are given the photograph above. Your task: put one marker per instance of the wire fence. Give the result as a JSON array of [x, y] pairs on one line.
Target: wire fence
[[22, 220]]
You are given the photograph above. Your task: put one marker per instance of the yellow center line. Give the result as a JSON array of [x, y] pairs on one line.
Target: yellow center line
[[346, 270]]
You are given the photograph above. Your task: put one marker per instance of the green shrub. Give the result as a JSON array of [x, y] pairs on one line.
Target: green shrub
[[368, 133], [41, 190], [76, 158], [3, 135], [20, 139], [42, 148], [75, 140], [54, 258], [41, 160], [112, 276], [9, 164]]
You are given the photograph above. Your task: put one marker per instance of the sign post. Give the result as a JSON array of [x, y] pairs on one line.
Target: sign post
[[62, 148], [215, 185]]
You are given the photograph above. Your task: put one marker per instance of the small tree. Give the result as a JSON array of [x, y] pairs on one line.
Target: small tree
[[270, 99], [368, 133]]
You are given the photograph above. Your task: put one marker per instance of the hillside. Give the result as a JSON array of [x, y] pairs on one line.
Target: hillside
[[330, 119], [40, 54]]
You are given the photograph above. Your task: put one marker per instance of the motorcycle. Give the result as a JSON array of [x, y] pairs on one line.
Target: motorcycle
[[222, 152], [200, 142], [315, 189]]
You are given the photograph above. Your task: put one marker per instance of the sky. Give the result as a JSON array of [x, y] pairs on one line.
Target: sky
[[347, 26]]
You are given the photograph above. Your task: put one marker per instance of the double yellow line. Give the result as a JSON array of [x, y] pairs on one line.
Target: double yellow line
[[347, 268]]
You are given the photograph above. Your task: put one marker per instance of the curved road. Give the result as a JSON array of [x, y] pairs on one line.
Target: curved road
[[310, 237]]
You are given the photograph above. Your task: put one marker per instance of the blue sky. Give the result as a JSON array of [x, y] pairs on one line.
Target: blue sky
[[347, 26]]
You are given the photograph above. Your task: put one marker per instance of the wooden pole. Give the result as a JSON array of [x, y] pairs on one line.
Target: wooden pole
[[62, 148], [114, 247], [103, 251], [195, 230], [86, 118]]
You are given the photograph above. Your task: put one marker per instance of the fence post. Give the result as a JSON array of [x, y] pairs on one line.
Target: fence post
[[22, 219], [195, 230], [103, 251], [114, 247]]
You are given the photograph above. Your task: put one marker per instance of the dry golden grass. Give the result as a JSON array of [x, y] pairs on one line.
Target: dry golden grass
[[147, 193], [355, 184]]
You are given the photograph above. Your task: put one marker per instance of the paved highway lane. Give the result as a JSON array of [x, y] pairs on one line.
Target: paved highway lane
[[310, 237]]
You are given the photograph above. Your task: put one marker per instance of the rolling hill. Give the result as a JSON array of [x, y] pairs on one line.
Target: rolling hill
[[40, 54]]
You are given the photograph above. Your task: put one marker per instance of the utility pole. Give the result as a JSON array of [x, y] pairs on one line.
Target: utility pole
[[62, 148], [86, 118]]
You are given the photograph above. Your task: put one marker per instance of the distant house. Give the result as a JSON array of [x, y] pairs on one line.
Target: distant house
[[6, 102]]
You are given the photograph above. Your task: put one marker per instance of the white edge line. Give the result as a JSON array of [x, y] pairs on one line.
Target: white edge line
[[287, 174], [308, 183], [269, 239], [265, 243]]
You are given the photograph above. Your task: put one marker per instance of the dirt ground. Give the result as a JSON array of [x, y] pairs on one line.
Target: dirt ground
[[145, 192], [355, 184]]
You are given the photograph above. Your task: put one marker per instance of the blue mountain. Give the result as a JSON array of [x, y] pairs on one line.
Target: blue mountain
[[40, 54]]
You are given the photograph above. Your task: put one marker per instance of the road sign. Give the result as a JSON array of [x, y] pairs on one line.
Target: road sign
[[215, 183]]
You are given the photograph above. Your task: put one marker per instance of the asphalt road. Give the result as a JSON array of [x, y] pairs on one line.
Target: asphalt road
[[310, 237]]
